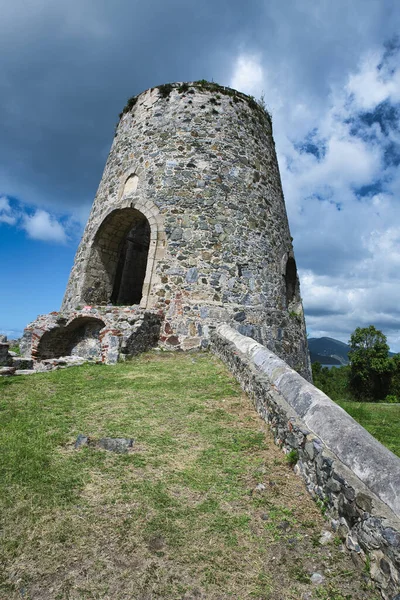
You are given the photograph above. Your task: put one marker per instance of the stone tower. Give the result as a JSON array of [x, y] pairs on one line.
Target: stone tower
[[188, 229], [189, 219]]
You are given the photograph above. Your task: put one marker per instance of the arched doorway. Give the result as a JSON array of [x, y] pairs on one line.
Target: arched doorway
[[78, 338], [118, 261], [132, 263], [291, 280]]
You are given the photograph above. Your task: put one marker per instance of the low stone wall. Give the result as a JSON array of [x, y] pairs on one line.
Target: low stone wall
[[354, 478]]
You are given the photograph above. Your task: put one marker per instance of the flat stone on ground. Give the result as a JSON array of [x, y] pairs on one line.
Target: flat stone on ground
[[118, 445]]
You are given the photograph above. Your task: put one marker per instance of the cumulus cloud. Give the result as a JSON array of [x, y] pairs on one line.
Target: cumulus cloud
[[42, 226], [377, 80], [39, 225], [6, 212], [339, 168], [248, 75]]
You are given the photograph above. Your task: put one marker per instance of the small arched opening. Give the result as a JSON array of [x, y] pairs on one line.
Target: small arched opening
[[118, 262], [291, 281], [78, 338]]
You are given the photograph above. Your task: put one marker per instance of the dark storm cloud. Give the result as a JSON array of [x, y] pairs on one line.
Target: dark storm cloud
[[67, 70], [323, 312]]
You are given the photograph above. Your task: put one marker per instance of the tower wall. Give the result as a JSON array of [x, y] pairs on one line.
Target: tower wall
[[198, 162]]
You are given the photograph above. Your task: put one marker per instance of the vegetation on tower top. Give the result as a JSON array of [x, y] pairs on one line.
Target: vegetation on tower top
[[203, 85]]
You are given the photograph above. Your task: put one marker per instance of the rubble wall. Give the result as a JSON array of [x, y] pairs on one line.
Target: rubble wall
[[198, 162], [351, 475], [103, 334]]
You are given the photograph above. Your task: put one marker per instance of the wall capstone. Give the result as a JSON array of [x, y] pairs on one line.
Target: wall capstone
[[348, 471]]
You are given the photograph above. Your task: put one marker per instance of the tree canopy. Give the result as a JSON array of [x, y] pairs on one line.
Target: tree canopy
[[371, 366], [372, 374]]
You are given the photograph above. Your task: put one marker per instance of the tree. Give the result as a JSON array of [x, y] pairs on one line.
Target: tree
[[371, 367], [395, 382]]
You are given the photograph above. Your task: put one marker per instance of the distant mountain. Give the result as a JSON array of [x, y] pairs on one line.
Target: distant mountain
[[324, 360], [328, 351]]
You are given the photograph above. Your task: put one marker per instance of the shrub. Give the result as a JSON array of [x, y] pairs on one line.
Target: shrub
[[292, 457], [392, 399], [128, 106], [165, 90], [182, 89]]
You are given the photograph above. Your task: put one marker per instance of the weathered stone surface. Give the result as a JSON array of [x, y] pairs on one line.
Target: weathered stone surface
[[118, 445], [326, 538], [81, 440], [354, 477], [21, 363], [317, 578], [25, 372], [5, 371], [5, 358]]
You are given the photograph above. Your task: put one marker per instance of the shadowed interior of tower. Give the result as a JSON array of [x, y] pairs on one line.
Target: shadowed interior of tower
[[117, 266], [132, 263]]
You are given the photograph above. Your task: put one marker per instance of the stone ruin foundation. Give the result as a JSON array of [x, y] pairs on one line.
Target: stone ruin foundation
[[102, 334], [188, 229]]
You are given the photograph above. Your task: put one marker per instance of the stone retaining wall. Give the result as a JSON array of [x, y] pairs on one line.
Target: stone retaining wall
[[350, 474]]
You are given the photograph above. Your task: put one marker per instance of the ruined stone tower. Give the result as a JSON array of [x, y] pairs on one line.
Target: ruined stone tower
[[189, 222]]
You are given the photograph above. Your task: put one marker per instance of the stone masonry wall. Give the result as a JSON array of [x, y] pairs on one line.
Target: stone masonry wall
[[352, 476], [198, 162]]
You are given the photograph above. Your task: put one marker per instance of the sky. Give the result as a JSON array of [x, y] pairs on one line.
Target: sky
[[329, 73]]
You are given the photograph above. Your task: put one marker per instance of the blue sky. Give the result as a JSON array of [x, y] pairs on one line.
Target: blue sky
[[329, 73]]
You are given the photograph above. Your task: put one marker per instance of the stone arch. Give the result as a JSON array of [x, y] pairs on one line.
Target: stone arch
[[81, 337], [122, 259], [132, 260], [291, 280]]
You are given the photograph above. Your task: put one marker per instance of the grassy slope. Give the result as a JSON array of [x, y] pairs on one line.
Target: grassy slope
[[381, 420], [179, 516]]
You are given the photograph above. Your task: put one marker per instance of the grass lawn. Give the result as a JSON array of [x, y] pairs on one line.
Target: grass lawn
[[205, 506], [381, 420]]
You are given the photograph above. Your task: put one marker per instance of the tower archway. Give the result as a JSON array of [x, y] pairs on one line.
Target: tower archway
[[118, 263]]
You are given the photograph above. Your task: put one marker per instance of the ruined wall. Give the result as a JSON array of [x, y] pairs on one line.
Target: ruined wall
[[4, 356], [347, 470], [198, 162], [103, 334]]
